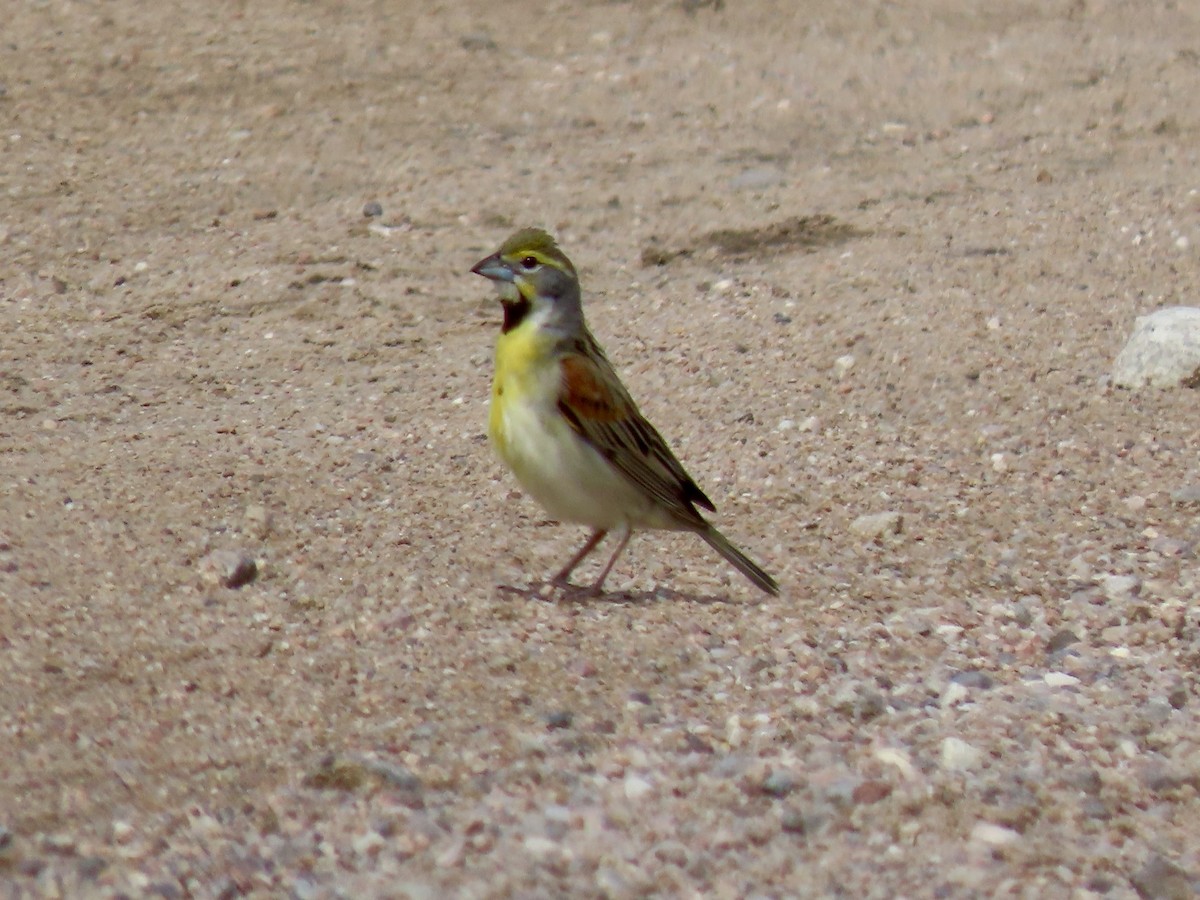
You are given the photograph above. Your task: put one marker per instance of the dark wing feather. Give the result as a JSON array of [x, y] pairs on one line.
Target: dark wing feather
[[601, 411]]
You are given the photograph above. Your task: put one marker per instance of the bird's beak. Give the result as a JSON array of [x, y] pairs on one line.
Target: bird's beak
[[494, 269]]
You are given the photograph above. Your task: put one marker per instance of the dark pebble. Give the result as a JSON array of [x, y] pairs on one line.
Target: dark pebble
[[1061, 640], [778, 784], [973, 678], [560, 719]]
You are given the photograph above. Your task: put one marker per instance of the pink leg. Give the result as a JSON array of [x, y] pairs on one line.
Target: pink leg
[[625, 536], [596, 538]]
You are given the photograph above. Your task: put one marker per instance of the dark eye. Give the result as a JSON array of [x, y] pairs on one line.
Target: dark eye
[[529, 262]]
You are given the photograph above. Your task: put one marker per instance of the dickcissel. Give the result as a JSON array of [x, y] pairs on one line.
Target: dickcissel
[[563, 422]]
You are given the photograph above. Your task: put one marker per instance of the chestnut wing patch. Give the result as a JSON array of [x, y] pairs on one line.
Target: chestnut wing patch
[[587, 394], [602, 413]]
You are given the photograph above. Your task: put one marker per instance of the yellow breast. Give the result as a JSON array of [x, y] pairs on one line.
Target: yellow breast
[[526, 378], [560, 470]]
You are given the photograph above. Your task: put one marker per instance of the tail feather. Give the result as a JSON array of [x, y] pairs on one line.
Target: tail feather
[[740, 561]]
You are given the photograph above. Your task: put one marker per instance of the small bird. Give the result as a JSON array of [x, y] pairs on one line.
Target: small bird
[[563, 422]]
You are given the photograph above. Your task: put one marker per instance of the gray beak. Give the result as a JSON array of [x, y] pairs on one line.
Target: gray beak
[[494, 269]]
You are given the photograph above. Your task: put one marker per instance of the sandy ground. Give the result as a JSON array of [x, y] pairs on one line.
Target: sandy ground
[[852, 259]]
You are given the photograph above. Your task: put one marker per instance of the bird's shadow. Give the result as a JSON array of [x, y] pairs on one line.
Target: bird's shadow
[[554, 592]]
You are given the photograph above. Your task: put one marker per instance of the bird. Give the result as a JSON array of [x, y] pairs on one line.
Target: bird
[[562, 421]]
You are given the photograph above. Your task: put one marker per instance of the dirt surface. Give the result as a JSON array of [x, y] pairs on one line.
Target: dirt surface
[[853, 260]]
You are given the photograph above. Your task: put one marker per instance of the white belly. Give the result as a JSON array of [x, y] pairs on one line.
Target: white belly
[[562, 472]]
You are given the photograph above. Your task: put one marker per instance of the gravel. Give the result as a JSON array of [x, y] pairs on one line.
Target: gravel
[[272, 618]]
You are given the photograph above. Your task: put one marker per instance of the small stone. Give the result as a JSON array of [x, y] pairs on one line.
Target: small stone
[[1161, 879], [871, 792], [560, 719], [636, 787], [372, 209], [778, 784], [959, 756], [842, 365], [954, 693], [1120, 588], [541, 846], [1061, 640], [973, 678], [1060, 679], [229, 568], [476, 41], [452, 854], [877, 525], [859, 703], [1189, 493], [994, 835], [259, 520], [894, 756], [1163, 350], [1178, 697], [793, 821]]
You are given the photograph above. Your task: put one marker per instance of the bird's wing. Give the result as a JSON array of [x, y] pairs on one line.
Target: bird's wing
[[600, 410]]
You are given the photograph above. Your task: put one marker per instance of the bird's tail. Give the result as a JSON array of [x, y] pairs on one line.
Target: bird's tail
[[741, 561]]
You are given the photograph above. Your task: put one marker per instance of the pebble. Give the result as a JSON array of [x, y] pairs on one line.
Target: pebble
[[1161, 879], [842, 365], [372, 209], [994, 835], [1163, 351], [959, 756], [859, 703], [893, 756], [1061, 640], [1059, 679], [778, 784], [793, 821], [259, 520], [229, 568], [1120, 588], [560, 719], [541, 846], [871, 792], [1189, 493], [877, 525], [477, 41], [973, 678], [636, 787], [954, 693]]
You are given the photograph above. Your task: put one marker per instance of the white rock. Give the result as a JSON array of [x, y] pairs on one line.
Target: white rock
[[636, 787], [877, 525], [540, 846], [995, 835], [1059, 679], [1163, 351], [959, 756], [954, 693], [896, 757], [1119, 588]]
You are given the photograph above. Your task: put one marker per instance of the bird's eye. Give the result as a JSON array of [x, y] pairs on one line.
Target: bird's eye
[[529, 262]]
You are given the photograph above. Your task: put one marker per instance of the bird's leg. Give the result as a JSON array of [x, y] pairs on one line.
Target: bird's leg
[[626, 534], [562, 577]]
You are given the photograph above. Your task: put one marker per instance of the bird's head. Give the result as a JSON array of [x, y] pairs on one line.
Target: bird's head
[[533, 277]]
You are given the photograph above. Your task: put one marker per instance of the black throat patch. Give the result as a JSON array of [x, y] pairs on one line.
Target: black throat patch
[[514, 314]]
